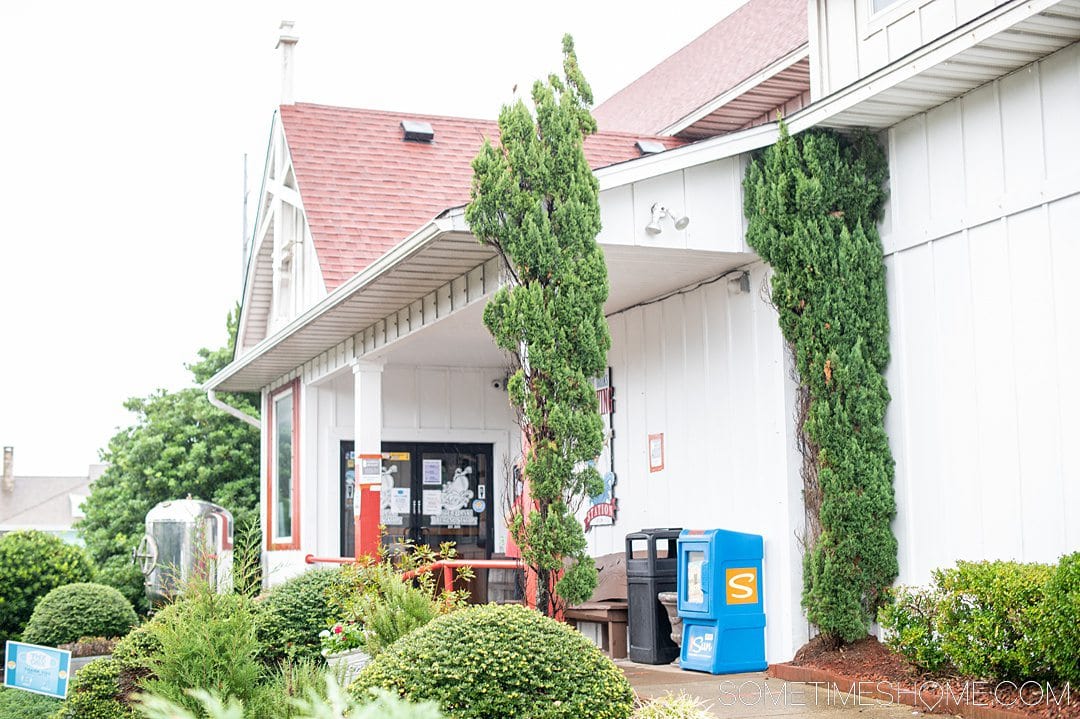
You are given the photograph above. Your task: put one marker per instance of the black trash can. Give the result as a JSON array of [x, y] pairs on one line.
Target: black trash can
[[651, 568]]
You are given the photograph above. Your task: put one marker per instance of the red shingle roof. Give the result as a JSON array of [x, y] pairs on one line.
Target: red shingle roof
[[748, 40], [365, 189]]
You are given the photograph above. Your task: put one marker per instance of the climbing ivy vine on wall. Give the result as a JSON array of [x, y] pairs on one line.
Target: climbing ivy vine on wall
[[813, 202]]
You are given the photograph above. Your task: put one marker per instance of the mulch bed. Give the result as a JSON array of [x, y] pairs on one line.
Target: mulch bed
[[869, 669], [92, 647]]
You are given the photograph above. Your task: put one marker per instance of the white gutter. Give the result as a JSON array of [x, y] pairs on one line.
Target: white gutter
[[410, 245], [211, 395]]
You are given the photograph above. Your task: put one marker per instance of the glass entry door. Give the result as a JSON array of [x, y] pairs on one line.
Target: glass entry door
[[430, 494], [435, 493]]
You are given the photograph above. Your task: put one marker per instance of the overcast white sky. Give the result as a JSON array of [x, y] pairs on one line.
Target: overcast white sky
[[123, 127]]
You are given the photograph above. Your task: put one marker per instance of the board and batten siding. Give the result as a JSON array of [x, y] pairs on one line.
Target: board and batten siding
[[982, 242], [848, 40], [709, 370]]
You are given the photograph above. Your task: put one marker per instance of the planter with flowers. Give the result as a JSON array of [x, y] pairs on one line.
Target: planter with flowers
[[343, 648]]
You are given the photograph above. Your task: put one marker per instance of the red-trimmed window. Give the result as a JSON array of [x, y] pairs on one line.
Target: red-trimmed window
[[283, 469]]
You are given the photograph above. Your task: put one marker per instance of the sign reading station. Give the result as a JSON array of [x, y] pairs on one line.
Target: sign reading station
[[742, 585], [41, 670]]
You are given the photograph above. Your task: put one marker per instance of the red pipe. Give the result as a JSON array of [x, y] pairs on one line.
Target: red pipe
[[441, 564], [312, 559]]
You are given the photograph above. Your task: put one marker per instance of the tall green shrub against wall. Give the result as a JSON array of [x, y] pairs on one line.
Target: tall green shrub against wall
[[535, 200], [813, 202]]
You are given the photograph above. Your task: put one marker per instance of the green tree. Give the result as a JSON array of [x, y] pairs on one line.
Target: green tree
[[813, 202], [179, 445], [535, 200]]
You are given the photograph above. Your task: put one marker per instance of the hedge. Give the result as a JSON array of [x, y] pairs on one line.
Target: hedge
[[992, 620]]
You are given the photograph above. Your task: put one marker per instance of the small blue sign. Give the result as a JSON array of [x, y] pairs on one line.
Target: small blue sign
[[479, 505], [41, 670]]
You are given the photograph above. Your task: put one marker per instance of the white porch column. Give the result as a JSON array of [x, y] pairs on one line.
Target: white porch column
[[367, 398]]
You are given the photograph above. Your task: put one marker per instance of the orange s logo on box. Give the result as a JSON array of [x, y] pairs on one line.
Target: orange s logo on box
[[742, 585]]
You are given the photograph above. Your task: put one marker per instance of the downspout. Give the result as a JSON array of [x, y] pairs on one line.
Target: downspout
[[229, 409]]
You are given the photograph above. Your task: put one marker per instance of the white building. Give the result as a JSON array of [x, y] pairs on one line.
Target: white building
[[361, 311]]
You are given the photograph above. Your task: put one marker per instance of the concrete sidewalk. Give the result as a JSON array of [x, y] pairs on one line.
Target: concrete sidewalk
[[734, 696]]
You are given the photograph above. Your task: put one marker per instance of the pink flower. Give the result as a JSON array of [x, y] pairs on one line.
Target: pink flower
[[338, 629]]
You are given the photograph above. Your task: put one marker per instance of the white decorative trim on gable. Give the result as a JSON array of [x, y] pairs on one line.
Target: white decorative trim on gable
[[283, 274]]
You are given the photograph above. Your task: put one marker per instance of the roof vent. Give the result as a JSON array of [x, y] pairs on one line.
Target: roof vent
[[418, 131], [650, 147]]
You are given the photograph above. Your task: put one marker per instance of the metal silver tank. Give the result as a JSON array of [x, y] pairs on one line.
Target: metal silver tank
[[185, 539]]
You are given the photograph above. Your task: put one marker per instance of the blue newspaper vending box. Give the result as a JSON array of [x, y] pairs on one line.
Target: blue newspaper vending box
[[721, 601]]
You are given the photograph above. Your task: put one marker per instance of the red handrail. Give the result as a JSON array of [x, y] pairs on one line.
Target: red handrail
[[446, 565], [312, 559], [449, 565]]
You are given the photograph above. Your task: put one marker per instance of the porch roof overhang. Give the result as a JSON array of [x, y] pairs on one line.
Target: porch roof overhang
[[432, 256], [1003, 40], [758, 95]]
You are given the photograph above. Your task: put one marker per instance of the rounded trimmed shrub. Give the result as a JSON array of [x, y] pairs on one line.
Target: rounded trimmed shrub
[[1059, 621], [73, 611], [32, 564], [293, 613], [491, 662]]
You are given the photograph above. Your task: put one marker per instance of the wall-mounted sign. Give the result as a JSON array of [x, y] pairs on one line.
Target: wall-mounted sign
[[41, 670], [656, 452], [604, 506], [371, 469]]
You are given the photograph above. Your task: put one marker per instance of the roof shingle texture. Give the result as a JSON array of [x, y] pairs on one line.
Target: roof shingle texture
[[365, 188], [742, 44]]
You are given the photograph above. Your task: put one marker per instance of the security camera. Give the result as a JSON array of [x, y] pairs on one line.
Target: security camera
[[497, 384]]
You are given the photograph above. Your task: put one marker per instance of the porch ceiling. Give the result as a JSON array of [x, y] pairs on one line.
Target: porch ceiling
[[640, 274], [636, 275]]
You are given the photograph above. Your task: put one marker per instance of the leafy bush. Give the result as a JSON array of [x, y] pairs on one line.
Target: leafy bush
[[910, 619], [79, 610], [15, 704], [207, 642], [95, 693], [293, 613], [385, 609], [32, 564], [491, 662], [673, 706], [988, 616], [375, 607], [1059, 620], [118, 572]]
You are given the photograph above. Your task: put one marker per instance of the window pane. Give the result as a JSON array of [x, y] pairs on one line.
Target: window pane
[[283, 437], [880, 4]]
